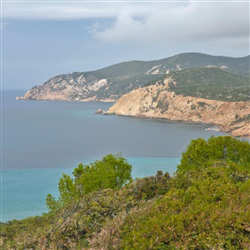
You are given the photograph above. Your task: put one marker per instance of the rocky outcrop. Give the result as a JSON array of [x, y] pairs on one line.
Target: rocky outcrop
[[156, 101], [71, 87], [110, 83]]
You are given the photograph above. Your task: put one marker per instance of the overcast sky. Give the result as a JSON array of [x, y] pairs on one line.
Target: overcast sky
[[41, 39]]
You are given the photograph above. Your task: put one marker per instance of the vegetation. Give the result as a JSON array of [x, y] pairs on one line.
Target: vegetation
[[127, 76], [205, 205], [111, 172], [238, 66], [201, 153], [210, 83]]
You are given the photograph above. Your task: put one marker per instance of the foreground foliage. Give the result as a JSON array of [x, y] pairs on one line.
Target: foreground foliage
[[113, 171], [206, 205], [211, 210]]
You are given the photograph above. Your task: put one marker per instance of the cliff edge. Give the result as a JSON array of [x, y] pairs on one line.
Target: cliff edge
[[157, 101]]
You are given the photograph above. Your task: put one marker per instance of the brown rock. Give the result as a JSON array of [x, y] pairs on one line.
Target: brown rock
[[156, 101]]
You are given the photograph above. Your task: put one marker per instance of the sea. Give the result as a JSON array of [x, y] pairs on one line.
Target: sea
[[40, 140]]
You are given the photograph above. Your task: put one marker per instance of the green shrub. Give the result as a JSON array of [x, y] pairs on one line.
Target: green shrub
[[113, 171], [207, 206]]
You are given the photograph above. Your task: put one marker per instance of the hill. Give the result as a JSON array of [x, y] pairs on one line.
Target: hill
[[204, 95], [109, 83], [208, 82], [205, 205]]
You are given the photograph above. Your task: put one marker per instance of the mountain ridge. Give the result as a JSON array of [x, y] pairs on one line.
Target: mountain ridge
[[109, 83], [186, 87], [161, 100]]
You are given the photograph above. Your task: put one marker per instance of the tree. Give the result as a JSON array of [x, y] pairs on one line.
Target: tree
[[207, 206], [113, 171], [201, 153]]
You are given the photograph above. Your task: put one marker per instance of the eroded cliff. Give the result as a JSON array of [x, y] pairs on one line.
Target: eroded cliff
[[156, 101], [72, 87]]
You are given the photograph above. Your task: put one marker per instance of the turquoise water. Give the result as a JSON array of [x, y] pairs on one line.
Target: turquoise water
[[25, 190], [43, 139]]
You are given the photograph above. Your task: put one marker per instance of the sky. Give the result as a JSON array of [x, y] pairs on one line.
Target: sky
[[41, 39]]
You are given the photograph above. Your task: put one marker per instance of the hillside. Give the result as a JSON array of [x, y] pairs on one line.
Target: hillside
[[204, 95], [209, 83], [109, 83], [205, 205]]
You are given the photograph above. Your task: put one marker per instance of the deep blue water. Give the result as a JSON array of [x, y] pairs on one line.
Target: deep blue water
[[43, 139]]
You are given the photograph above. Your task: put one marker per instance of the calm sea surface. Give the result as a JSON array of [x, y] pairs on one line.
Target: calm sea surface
[[43, 139]]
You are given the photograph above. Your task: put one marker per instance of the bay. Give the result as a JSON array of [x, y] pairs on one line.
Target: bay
[[43, 139]]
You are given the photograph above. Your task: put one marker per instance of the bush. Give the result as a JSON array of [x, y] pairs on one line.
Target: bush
[[223, 148], [113, 171], [207, 206]]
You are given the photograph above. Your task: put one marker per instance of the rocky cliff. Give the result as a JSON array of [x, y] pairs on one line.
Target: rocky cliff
[[157, 101], [109, 83], [72, 87]]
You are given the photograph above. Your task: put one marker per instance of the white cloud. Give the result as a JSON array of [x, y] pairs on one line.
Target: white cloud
[[61, 10], [190, 27], [194, 22], [184, 24]]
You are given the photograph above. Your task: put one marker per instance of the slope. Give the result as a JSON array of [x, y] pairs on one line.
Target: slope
[[109, 83], [205, 95], [205, 205]]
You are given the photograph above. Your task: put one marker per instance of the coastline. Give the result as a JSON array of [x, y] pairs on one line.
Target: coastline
[[210, 126], [156, 102], [22, 98], [207, 126]]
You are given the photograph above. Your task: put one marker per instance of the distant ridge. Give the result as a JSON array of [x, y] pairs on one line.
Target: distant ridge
[[208, 82], [111, 82]]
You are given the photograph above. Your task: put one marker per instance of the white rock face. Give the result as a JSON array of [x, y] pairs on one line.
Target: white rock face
[[98, 85], [69, 88], [81, 79], [154, 70]]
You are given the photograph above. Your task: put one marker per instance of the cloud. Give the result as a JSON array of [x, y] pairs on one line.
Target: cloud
[[193, 22], [61, 10], [185, 24], [58, 10]]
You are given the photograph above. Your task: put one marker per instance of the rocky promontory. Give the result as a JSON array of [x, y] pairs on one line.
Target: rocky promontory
[[189, 87], [156, 101], [71, 87], [110, 83]]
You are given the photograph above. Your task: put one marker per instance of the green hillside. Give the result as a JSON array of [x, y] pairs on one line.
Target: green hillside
[[124, 77], [130, 75], [209, 83], [239, 66], [205, 205]]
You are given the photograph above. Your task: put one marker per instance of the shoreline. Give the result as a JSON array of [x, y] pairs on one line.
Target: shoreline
[[207, 126], [22, 98]]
